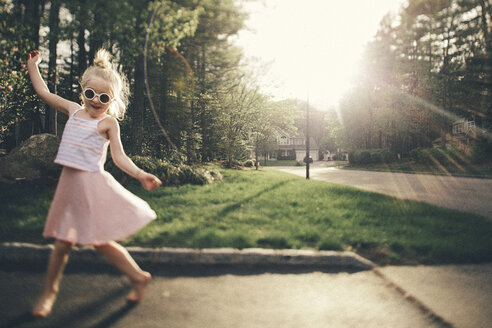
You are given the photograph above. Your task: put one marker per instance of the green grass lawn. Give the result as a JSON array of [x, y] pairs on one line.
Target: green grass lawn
[[271, 209]]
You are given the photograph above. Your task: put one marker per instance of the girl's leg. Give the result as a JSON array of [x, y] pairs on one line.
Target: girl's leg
[[119, 256], [56, 264]]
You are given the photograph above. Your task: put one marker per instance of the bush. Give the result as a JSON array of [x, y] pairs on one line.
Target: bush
[[418, 155], [371, 156], [339, 157], [168, 173], [445, 157], [249, 163], [388, 156], [481, 151]]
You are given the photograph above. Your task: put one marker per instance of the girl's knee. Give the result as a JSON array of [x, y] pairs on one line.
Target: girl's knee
[[103, 247], [100, 247], [63, 247]]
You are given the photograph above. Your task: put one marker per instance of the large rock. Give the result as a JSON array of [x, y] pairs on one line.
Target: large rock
[[32, 159]]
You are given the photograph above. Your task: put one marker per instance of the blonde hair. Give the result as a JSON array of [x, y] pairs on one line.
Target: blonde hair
[[105, 69]]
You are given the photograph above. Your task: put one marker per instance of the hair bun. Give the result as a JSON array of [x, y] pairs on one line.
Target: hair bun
[[102, 59]]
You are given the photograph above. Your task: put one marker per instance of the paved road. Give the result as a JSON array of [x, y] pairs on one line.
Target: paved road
[[216, 298], [465, 194]]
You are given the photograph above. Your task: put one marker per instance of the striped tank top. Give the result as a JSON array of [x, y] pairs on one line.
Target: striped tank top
[[81, 146]]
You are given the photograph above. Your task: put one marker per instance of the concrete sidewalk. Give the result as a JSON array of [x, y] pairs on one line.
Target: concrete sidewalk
[[461, 294], [277, 289]]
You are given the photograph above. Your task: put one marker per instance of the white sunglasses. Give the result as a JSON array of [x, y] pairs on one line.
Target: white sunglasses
[[90, 94]]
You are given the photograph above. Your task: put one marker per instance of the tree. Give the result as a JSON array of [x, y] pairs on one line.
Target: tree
[[212, 58], [333, 139], [421, 72], [54, 36], [16, 97], [239, 108], [191, 62], [274, 119]]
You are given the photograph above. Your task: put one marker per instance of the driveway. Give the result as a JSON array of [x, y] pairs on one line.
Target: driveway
[[465, 194]]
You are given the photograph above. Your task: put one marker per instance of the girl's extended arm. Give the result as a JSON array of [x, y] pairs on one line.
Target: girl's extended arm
[[42, 90], [148, 181]]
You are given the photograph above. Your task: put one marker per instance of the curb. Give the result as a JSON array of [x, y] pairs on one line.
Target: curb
[[414, 300], [15, 252]]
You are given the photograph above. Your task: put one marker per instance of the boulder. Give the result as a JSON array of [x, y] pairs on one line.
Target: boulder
[[32, 159]]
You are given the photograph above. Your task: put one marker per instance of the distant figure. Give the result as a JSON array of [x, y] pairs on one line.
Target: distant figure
[[90, 207]]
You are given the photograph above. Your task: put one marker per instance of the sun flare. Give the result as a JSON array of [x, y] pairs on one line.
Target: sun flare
[[312, 48]]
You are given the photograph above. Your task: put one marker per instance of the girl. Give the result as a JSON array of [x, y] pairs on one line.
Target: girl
[[90, 207]]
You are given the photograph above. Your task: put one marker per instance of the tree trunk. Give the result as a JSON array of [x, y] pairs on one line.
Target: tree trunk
[[54, 21], [203, 121], [33, 10], [32, 18], [257, 149], [487, 97], [82, 54], [137, 110]]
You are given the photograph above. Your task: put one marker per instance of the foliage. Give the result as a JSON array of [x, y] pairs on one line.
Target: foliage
[[16, 97], [426, 67], [173, 174], [191, 62], [274, 119], [480, 152], [249, 163], [240, 106], [371, 156]]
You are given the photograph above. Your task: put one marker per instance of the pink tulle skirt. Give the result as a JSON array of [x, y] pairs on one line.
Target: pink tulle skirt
[[92, 208]]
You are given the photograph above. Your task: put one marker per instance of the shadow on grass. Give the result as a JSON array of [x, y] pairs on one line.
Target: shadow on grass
[[238, 204]]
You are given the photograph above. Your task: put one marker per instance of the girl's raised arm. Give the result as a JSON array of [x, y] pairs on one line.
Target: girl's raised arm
[[53, 100], [112, 128]]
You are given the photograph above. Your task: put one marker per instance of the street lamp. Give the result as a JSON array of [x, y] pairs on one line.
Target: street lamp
[[307, 158]]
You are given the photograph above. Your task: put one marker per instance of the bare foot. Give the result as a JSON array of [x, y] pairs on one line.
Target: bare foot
[[139, 286], [44, 306]]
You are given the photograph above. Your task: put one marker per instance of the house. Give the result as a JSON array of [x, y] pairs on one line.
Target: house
[[463, 131], [463, 127], [294, 147]]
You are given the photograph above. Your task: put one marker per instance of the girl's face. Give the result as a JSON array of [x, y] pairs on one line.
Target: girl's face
[[94, 106]]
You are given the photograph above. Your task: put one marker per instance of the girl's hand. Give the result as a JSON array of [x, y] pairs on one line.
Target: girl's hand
[[149, 181], [34, 57]]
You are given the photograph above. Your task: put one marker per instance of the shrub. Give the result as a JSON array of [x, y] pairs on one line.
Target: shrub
[[481, 151], [371, 156], [388, 156], [376, 157], [249, 163], [418, 155], [193, 175], [445, 157], [168, 173]]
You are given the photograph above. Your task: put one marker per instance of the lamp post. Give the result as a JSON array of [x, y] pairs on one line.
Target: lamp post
[[307, 159]]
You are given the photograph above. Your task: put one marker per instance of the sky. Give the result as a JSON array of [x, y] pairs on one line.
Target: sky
[[310, 49]]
